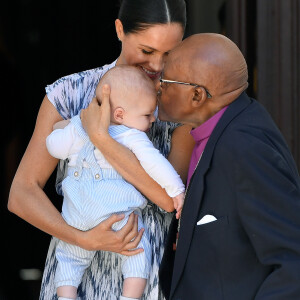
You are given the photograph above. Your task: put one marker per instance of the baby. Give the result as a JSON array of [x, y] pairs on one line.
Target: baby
[[93, 190]]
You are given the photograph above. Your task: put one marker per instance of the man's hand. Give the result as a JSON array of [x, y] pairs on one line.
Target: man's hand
[[178, 204], [96, 117], [103, 237]]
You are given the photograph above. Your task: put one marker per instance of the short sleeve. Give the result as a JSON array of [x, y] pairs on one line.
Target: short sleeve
[[74, 92]]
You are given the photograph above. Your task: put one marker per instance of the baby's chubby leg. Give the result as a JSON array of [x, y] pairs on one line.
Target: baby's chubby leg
[[133, 287], [72, 263], [67, 292], [136, 269]]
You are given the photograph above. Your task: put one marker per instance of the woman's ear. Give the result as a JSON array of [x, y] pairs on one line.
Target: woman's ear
[[119, 115], [119, 29], [199, 96]]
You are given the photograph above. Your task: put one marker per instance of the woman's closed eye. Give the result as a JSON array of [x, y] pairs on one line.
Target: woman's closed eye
[[147, 52]]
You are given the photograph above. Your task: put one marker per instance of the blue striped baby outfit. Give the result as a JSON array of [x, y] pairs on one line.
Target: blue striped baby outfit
[[91, 195]]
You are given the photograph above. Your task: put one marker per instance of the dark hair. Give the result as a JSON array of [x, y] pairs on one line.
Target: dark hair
[[138, 15]]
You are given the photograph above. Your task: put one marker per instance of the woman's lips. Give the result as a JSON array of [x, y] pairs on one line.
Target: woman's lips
[[151, 74]]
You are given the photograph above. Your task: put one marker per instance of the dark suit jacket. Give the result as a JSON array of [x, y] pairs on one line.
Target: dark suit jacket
[[248, 180]]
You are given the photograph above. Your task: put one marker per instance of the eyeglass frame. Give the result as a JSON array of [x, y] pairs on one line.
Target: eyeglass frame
[[161, 80]]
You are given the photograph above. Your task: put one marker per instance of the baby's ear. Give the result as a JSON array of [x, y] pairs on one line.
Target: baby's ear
[[119, 115]]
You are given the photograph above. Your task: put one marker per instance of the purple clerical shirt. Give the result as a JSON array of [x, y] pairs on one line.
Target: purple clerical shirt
[[201, 135]]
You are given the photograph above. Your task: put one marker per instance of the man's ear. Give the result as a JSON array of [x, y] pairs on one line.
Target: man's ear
[[199, 96], [119, 115], [119, 29]]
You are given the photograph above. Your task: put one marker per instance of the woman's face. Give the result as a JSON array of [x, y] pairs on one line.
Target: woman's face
[[149, 48]]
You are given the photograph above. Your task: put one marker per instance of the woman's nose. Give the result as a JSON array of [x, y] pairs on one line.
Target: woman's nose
[[157, 63]]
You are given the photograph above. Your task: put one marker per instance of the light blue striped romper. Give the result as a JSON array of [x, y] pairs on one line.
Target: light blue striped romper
[[91, 195]]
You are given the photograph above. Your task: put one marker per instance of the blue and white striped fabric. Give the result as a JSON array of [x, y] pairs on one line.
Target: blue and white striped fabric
[[73, 261], [91, 195]]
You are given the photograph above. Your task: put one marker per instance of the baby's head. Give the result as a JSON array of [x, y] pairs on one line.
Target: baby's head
[[132, 98]]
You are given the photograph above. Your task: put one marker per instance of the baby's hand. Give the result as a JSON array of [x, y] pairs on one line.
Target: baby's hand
[[178, 204], [61, 124]]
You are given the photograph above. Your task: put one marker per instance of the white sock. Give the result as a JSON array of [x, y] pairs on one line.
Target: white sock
[[126, 298], [62, 298]]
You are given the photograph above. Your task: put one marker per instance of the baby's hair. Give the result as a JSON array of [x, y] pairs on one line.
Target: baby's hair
[[125, 80]]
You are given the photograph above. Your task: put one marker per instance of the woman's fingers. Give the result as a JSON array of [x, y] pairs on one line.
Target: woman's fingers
[[105, 107], [134, 229], [129, 227], [96, 117], [135, 242], [131, 252], [126, 238], [90, 117], [105, 93], [130, 234], [130, 230], [108, 223], [131, 247]]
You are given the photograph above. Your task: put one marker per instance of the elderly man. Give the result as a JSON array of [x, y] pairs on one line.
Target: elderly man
[[239, 233]]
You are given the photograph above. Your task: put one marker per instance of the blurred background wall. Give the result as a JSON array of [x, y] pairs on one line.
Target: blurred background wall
[[41, 41]]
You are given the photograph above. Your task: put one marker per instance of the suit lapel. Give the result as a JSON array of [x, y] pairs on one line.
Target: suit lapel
[[196, 187]]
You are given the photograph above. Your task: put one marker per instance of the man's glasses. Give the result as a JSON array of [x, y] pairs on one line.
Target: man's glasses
[[161, 80]]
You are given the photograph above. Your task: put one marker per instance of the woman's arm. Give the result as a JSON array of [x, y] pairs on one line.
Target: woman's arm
[[28, 200], [182, 145], [120, 157]]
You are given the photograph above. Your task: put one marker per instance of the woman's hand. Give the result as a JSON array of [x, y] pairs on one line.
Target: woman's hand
[[103, 237], [96, 117]]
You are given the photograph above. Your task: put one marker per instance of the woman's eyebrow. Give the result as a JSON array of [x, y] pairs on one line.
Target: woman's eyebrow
[[148, 47], [151, 48]]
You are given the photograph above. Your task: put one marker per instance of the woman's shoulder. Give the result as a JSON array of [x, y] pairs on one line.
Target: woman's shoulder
[[71, 93]]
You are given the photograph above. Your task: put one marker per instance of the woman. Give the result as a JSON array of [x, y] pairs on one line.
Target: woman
[[148, 30]]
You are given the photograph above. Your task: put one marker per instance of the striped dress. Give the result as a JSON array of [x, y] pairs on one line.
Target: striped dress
[[103, 279]]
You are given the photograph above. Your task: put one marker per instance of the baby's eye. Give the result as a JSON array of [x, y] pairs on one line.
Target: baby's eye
[[147, 52]]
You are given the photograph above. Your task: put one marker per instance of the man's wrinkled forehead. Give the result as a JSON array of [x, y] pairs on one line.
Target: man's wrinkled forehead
[[174, 65]]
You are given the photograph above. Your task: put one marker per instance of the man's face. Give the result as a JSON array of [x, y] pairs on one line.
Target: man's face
[[173, 98]]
